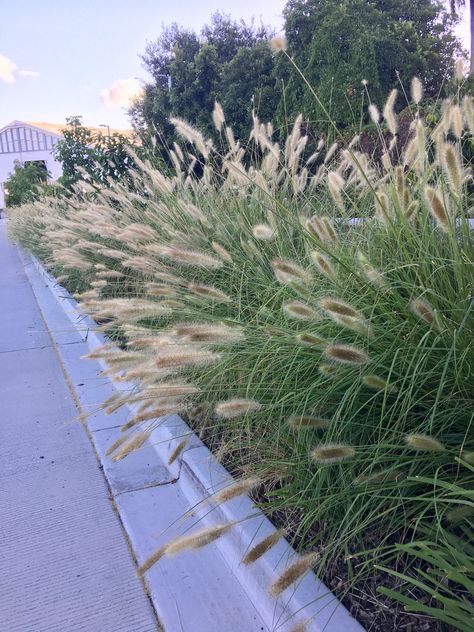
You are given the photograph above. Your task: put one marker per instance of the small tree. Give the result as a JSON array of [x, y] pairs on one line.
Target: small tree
[[83, 151], [26, 183]]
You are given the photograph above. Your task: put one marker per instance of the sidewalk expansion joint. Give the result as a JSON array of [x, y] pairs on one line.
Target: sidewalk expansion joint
[[27, 348]]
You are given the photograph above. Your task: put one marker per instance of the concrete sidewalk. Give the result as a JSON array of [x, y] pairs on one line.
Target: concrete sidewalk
[[65, 564]]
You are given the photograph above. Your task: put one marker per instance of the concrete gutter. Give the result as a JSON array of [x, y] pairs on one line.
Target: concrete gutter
[[204, 591]]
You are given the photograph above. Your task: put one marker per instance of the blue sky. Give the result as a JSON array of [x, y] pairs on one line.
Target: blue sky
[[66, 57], [67, 52]]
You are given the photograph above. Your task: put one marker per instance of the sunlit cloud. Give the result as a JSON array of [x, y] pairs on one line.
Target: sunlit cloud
[[29, 73], [7, 69], [121, 93]]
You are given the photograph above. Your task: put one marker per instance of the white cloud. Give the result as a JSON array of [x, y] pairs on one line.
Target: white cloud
[[7, 69], [29, 73], [121, 93]]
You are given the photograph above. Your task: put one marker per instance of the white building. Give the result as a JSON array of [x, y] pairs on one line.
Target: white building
[[27, 142]]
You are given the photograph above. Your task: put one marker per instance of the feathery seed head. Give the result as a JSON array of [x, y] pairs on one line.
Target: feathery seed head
[[468, 455], [262, 547], [116, 444], [437, 208], [263, 232], [152, 560], [456, 121], [218, 117], [459, 69], [302, 422], [209, 333], [335, 185], [189, 257], [178, 450], [134, 443], [451, 164], [323, 264], [330, 153], [288, 271], [278, 44], [236, 407], [295, 571], [462, 512], [198, 539], [346, 354], [300, 311], [191, 134], [310, 340], [209, 292], [330, 230], [389, 114], [468, 112], [334, 306], [371, 274], [424, 443], [222, 252], [374, 113], [302, 626], [332, 453], [182, 357], [416, 90], [424, 311], [244, 486], [321, 228]]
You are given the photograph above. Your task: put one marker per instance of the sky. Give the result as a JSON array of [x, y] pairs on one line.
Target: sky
[[60, 58]]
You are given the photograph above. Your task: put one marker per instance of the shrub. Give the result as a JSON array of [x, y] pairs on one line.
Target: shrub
[[329, 357]]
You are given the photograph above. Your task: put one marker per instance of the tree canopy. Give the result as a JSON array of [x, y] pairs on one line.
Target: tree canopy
[[385, 42], [229, 61], [336, 45], [98, 156], [26, 183]]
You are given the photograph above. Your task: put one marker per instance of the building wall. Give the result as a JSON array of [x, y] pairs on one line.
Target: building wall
[[23, 143]]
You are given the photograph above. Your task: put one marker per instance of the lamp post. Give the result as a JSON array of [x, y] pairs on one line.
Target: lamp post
[[107, 126], [168, 78]]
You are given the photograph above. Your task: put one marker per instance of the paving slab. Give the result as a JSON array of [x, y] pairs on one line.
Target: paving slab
[[214, 601]]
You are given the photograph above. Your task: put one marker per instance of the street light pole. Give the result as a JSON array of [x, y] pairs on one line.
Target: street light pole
[[168, 78], [107, 126]]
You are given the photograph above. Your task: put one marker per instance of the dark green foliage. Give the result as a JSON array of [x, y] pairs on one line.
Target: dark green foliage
[[335, 44], [26, 184], [386, 42], [230, 62], [248, 83], [100, 156], [341, 57]]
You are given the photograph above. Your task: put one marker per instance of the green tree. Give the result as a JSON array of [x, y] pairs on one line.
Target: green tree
[[75, 150], [26, 184], [255, 90], [197, 68], [336, 45], [99, 156]]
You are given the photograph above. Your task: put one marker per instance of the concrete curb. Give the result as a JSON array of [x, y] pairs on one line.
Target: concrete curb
[[206, 591]]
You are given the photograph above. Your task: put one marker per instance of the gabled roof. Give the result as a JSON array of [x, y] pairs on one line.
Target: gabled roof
[[55, 129], [16, 123]]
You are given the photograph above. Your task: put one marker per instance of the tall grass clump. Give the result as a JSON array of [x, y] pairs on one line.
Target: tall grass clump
[[330, 358]]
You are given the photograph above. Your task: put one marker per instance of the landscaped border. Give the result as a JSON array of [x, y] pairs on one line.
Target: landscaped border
[[190, 480]]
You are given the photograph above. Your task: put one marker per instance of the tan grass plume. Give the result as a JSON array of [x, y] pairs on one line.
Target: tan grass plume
[[295, 571], [236, 407], [257, 551]]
